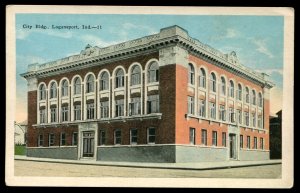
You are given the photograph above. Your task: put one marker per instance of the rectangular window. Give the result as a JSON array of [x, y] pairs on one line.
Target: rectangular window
[[42, 116], [254, 119], [77, 112], [119, 81], [248, 142], [224, 139], [75, 139], [190, 105], [214, 138], [261, 143], [119, 108], [259, 121], [51, 139], [231, 115], [222, 113], [153, 104], [204, 137], [246, 118], [62, 139], [241, 141], [212, 110], [151, 135], [239, 116], [53, 114], [212, 85], [102, 137], [90, 111], [135, 106], [133, 136], [103, 84], [104, 109], [192, 136], [202, 81], [255, 143], [41, 141], [118, 137], [64, 113], [202, 108], [135, 79]]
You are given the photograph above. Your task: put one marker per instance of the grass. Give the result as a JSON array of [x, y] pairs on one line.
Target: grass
[[20, 149]]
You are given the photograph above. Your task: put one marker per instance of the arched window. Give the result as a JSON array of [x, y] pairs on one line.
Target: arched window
[[247, 95], [202, 78], [153, 72], [223, 86], [213, 82], [64, 88], [239, 92], [104, 81], [53, 90], [260, 99], [90, 84], [253, 97], [77, 86], [136, 75], [191, 74], [119, 78], [42, 91], [231, 89]]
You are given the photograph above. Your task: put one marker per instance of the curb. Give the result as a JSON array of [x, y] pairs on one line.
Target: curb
[[149, 166]]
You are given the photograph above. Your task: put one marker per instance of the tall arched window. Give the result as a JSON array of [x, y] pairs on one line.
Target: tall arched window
[[223, 86], [231, 89], [253, 97], [90, 84], [153, 72], [64, 88], [77, 86], [53, 90], [42, 91], [191, 74], [135, 75], [202, 78], [260, 99], [213, 82], [239, 95], [247, 95], [119, 78], [104, 81]]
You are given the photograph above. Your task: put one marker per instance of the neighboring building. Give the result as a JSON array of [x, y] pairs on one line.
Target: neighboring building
[[161, 98], [275, 136], [20, 133]]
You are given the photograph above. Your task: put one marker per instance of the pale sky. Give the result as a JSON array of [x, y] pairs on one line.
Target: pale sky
[[257, 40]]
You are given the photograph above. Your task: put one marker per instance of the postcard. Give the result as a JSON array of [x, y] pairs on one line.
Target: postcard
[[120, 96]]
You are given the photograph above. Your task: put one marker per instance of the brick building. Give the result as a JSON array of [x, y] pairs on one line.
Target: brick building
[[161, 98]]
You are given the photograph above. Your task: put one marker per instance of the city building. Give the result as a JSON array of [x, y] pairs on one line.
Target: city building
[[166, 97], [275, 136]]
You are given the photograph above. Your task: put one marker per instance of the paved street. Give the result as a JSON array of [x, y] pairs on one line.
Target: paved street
[[32, 168]]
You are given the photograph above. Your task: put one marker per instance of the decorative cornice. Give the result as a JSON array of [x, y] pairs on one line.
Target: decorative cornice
[[170, 36]]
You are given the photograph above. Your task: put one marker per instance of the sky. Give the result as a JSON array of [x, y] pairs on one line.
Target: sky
[[257, 40]]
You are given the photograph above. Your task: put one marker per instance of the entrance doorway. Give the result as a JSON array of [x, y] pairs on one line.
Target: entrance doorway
[[88, 138], [232, 146]]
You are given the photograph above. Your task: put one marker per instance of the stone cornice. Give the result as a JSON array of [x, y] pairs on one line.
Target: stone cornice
[[170, 36]]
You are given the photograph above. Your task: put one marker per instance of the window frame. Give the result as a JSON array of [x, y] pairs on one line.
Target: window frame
[[77, 86], [90, 111], [63, 141], [191, 74], [153, 105], [204, 137], [135, 77], [192, 136], [51, 142], [117, 138], [153, 73], [74, 138], [133, 136], [41, 140], [64, 88], [224, 139], [151, 135], [214, 138]]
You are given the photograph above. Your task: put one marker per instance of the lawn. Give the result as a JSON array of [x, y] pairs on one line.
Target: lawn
[[20, 149]]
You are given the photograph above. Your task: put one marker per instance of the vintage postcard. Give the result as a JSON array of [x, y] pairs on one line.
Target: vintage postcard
[[149, 96]]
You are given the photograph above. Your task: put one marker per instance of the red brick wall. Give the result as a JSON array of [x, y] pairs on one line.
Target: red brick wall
[[32, 118], [267, 120], [167, 82]]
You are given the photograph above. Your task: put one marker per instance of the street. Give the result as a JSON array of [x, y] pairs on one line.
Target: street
[[46, 169]]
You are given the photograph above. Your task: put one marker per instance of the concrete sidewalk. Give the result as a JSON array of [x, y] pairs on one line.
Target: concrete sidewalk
[[185, 166]]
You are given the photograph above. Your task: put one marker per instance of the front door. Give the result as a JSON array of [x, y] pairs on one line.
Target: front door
[[232, 146], [88, 143]]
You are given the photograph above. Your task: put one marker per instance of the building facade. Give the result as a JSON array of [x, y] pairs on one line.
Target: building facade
[[161, 98]]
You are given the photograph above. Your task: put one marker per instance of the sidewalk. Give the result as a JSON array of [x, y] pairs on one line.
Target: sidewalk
[[185, 166]]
